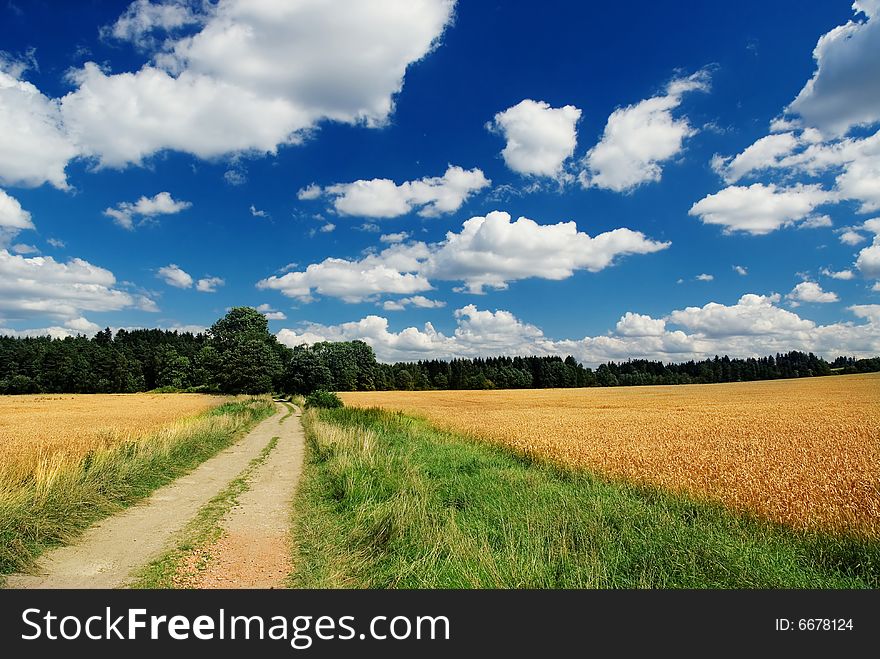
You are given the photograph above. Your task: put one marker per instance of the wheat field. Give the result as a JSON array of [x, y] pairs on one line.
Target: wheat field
[[65, 427], [805, 453]]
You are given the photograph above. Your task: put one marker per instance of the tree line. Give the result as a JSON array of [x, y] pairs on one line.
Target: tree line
[[238, 354]]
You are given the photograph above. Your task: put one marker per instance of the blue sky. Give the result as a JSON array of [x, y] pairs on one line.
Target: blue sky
[[359, 170]]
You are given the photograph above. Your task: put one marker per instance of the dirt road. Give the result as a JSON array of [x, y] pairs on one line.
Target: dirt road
[[112, 549], [254, 549]]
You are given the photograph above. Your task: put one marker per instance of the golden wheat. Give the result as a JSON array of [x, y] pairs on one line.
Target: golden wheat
[[42, 431], [801, 452]]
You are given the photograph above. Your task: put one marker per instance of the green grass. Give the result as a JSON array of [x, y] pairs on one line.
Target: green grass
[[38, 515], [387, 501], [204, 528]]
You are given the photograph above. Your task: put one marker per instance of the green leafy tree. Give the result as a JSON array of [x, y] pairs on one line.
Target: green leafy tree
[[305, 372], [250, 366], [249, 354]]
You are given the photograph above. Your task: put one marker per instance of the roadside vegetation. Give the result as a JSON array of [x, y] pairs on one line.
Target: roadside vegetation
[[388, 501], [59, 498]]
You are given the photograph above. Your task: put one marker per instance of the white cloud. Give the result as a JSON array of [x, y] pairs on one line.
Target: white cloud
[[815, 222], [759, 209], [54, 242], [311, 191], [635, 324], [639, 138], [810, 291], [856, 162], [740, 270], [851, 237], [235, 177], [327, 227], [539, 138], [766, 150], [173, 276], [393, 238], [13, 218], [380, 197], [207, 284], [489, 252], [355, 281], [23, 248], [419, 301], [868, 260], [705, 277], [34, 148], [844, 275], [162, 203], [42, 286], [845, 89], [270, 313], [142, 19], [860, 180], [259, 74], [870, 312], [257, 212], [751, 315], [752, 327]]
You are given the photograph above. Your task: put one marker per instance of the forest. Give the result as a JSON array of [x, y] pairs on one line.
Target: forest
[[238, 354]]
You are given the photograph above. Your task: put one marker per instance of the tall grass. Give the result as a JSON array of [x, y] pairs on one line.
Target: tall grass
[[388, 501], [50, 504]]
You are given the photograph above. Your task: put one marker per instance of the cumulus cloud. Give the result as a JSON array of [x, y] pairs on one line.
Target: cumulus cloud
[[419, 301], [393, 238], [310, 192], [259, 74], [34, 147], [740, 270], [392, 271], [854, 161], [868, 260], [381, 197], [760, 155], [751, 315], [13, 218], [173, 276], [124, 213], [705, 277], [810, 291], [143, 19], [539, 138], [270, 313], [844, 275], [24, 248], [42, 286], [760, 209], [851, 237], [844, 91], [207, 284], [489, 251], [635, 324], [754, 326], [870, 312], [639, 138], [256, 212]]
